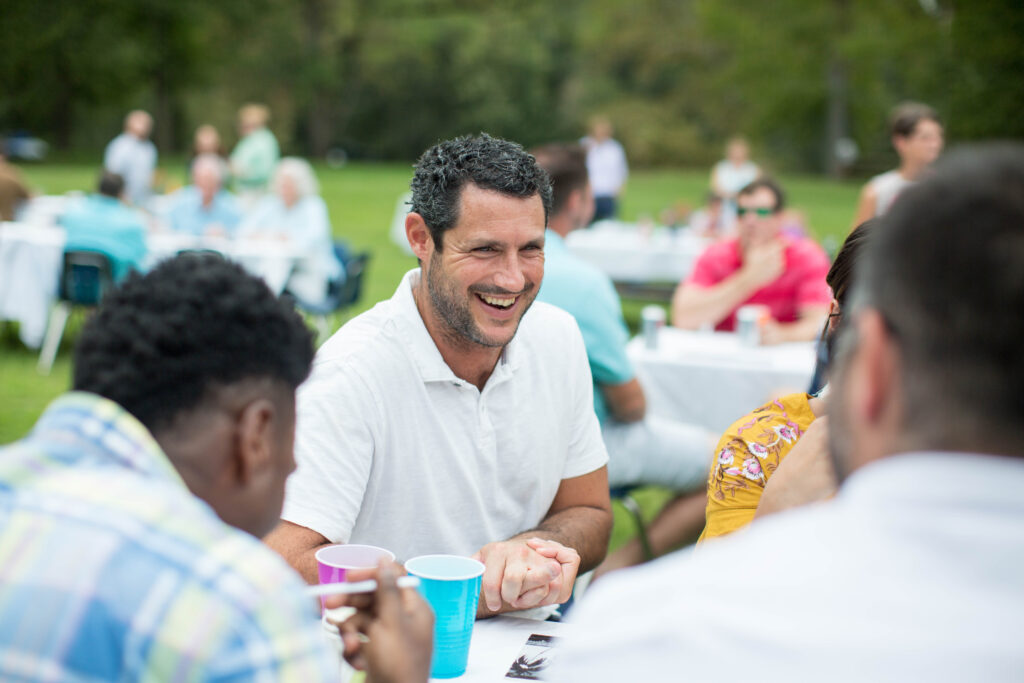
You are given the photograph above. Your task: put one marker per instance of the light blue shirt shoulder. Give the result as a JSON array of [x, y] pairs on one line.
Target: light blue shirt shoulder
[[588, 294]]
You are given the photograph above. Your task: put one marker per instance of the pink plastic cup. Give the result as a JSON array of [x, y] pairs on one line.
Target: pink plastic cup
[[334, 561]]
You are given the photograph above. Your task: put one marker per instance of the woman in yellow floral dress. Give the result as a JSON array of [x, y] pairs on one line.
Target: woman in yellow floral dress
[[754, 447]]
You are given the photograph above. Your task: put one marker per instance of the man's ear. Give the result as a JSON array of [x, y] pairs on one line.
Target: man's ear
[[254, 435], [875, 371], [418, 234]]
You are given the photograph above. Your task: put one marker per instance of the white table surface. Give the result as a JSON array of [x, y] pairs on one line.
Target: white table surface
[[633, 254], [710, 379], [31, 257], [495, 644]]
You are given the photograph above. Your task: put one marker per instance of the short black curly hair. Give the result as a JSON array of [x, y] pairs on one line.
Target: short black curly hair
[[489, 163], [160, 342]]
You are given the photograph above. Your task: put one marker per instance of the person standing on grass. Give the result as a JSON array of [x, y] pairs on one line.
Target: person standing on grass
[[132, 155], [917, 137]]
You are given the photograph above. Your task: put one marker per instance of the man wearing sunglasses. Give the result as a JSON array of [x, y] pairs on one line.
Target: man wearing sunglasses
[[759, 266]]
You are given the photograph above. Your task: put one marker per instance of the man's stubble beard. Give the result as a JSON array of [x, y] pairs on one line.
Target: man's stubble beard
[[459, 327]]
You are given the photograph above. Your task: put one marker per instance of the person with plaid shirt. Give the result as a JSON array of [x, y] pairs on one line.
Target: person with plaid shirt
[[130, 516]]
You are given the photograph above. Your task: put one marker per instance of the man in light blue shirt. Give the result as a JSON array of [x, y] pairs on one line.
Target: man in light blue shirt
[[642, 449], [205, 208], [132, 156], [102, 223]]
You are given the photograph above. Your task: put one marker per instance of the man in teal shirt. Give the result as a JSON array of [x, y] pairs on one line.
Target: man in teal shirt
[[642, 449], [102, 223]]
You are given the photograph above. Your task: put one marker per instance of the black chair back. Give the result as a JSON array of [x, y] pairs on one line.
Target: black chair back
[[86, 276]]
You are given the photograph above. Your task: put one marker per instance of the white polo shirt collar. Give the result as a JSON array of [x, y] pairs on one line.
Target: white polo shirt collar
[[424, 352]]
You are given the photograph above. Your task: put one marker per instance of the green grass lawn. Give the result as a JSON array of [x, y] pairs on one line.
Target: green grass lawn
[[361, 199]]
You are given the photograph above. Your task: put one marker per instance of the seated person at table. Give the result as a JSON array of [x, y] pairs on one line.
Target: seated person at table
[[775, 457], [129, 516], [205, 207], [102, 223], [642, 448], [759, 266], [912, 572], [456, 418], [295, 213]]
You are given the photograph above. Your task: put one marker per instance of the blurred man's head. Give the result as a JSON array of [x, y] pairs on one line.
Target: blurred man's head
[[737, 151], [208, 359], [930, 357], [110, 185], [601, 128], [916, 133], [252, 117], [758, 212], [572, 202], [208, 175], [139, 124]]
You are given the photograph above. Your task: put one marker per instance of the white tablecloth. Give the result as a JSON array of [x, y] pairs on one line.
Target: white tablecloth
[[272, 260], [30, 261], [633, 254], [31, 257], [496, 643], [709, 379]]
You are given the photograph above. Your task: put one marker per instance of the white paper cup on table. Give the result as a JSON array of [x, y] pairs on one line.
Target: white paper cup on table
[[653, 319], [750, 322]]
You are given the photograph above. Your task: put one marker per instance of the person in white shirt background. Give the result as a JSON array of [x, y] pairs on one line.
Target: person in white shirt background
[[732, 174], [294, 212], [132, 156], [607, 168], [913, 571], [917, 138]]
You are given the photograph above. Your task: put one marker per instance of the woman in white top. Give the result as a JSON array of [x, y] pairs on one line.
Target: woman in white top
[[295, 212], [732, 174], [917, 137]]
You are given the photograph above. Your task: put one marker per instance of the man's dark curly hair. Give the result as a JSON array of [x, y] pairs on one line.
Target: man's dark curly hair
[[487, 162], [160, 342]]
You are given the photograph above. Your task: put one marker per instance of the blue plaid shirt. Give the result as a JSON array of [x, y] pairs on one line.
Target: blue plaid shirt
[[111, 570]]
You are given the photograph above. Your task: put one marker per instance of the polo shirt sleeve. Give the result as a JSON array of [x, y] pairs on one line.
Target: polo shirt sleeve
[[705, 270], [812, 290], [587, 452], [605, 335], [334, 444]]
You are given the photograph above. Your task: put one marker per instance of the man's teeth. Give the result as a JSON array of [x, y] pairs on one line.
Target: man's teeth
[[498, 301]]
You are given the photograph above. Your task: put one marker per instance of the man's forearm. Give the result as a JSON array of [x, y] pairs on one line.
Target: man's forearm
[[298, 546], [585, 529], [693, 306]]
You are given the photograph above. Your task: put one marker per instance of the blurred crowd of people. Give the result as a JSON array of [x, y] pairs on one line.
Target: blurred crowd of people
[[252, 193]]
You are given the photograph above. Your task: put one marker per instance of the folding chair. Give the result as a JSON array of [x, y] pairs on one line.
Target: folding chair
[[85, 277], [341, 294]]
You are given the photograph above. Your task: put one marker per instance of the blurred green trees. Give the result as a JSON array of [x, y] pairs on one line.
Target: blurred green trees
[[385, 78]]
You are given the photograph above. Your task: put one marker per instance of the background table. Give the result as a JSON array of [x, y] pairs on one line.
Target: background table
[[633, 255], [31, 258], [710, 379]]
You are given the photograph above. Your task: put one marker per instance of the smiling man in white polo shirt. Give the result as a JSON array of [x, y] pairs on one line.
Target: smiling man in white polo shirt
[[456, 417]]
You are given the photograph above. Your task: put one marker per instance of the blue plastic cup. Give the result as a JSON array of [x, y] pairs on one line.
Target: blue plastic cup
[[451, 584]]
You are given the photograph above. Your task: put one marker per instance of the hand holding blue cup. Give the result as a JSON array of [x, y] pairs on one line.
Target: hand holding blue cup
[[451, 584]]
